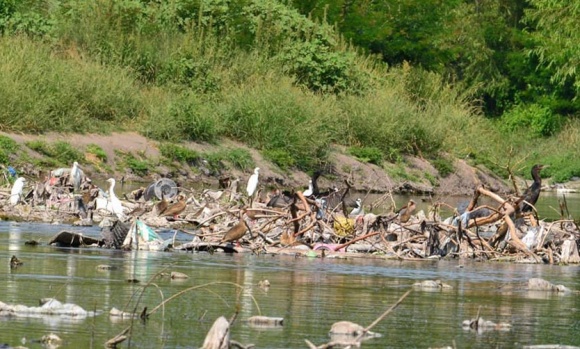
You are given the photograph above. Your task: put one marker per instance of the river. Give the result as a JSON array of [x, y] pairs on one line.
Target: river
[[309, 293]]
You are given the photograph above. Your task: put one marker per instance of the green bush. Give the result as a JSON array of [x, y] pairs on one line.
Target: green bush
[[181, 117], [239, 158], [281, 158], [39, 146], [443, 165], [97, 151], [179, 153], [7, 147], [60, 151], [139, 167], [66, 153], [367, 154], [538, 120]]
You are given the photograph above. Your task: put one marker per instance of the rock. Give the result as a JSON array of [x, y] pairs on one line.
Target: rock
[[537, 284]]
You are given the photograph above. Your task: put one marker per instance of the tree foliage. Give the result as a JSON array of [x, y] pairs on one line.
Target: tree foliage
[[556, 24]]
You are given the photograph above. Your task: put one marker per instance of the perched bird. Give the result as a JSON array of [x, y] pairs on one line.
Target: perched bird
[[237, 231], [358, 209], [315, 190], [76, 176], [16, 192], [113, 203], [280, 199], [253, 182], [15, 262], [161, 206], [178, 207], [309, 191], [406, 211], [532, 193]]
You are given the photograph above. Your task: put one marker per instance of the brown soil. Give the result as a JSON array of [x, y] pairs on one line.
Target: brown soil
[[364, 176]]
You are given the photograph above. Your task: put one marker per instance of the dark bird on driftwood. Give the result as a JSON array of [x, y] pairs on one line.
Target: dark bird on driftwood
[[280, 199], [237, 231], [406, 211], [178, 207], [15, 262], [532, 193]]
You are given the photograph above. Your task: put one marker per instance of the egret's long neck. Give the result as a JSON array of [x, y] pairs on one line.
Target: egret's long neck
[[112, 188]]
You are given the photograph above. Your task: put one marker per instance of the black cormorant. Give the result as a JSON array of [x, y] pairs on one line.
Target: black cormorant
[[532, 193]]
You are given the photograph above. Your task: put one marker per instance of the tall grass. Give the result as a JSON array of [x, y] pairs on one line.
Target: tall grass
[[40, 92], [256, 72]]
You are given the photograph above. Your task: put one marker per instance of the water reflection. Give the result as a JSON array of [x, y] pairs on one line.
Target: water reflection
[[310, 294]]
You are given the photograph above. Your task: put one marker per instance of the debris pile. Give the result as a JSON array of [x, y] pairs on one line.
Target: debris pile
[[324, 223]]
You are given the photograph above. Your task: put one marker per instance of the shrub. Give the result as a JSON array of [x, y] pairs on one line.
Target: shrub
[[239, 158], [539, 120], [97, 151], [444, 166], [367, 154], [179, 153], [7, 147], [281, 158], [139, 167]]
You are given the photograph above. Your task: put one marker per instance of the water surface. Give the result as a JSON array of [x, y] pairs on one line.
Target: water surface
[[309, 293]]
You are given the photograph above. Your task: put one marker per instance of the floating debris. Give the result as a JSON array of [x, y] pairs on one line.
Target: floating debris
[[537, 284], [350, 329], [430, 285], [49, 307], [481, 325], [105, 267], [265, 321], [178, 275], [114, 312]]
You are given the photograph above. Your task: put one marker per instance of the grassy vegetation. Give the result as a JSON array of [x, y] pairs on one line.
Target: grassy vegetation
[[62, 153], [7, 147], [97, 151], [275, 81]]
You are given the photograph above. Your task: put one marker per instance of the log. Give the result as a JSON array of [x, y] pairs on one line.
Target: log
[[218, 336]]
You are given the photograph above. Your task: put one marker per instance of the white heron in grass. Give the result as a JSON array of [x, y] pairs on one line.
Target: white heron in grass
[[113, 203], [358, 209], [253, 182], [309, 191], [16, 192]]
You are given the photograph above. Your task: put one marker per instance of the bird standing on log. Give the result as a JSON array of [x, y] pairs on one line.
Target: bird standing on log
[[16, 191], [532, 193], [237, 231], [178, 207], [253, 183], [406, 211], [114, 204]]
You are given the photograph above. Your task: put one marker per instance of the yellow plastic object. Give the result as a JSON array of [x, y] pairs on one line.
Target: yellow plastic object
[[343, 226]]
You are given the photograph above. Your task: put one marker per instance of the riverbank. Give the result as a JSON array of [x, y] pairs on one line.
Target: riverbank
[[135, 158]]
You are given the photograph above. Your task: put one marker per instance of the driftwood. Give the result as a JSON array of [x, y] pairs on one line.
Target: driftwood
[[492, 231], [72, 239], [218, 336]]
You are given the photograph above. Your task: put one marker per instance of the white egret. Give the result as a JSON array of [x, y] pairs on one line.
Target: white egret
[[358, 209], [253, 182], [309, 191], [16, 192], [76, 176], [113, 203]]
